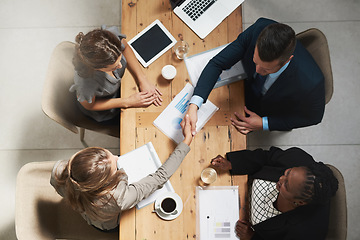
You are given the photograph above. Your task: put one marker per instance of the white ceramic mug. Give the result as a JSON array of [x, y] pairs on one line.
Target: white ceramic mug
[[168, 72], [168, 206]]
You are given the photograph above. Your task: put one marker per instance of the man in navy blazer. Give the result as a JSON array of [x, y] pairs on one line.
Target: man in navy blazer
[[285, 87]]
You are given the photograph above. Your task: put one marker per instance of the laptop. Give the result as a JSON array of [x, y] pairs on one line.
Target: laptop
[[203, 16]]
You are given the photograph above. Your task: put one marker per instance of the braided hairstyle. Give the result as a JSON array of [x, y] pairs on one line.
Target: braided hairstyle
[[320, 184], [95, 50]]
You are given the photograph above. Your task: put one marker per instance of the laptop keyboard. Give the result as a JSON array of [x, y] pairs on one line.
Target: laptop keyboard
[[195, 8]]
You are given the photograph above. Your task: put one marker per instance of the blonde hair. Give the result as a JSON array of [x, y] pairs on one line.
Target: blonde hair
[[88, 180]]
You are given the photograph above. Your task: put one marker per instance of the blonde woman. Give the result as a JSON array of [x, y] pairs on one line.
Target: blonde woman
[[93, 186]]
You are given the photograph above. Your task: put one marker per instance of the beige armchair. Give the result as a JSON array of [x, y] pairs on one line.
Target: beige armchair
[[315, 42], [59, 104], [338, 210], [41, 214]]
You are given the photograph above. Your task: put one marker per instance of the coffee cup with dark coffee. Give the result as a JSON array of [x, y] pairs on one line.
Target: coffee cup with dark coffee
[[168, 206]]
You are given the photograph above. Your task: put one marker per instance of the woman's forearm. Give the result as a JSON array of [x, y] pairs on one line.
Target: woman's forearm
[[105, 104], [133, 64]]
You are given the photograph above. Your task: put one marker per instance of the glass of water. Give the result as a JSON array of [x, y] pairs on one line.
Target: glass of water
[[208, 175], [181, 49]]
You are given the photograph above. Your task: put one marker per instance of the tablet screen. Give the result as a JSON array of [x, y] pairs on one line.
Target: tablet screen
[[151, 43]]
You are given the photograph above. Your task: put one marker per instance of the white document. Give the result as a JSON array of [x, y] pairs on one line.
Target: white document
[[138, 164], [217, 212], [196, 63], [169, 120]]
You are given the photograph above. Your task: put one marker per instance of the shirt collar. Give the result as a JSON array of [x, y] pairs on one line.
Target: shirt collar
[[281, 70]]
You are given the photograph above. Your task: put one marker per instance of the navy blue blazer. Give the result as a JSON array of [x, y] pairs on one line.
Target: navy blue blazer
[[296, 99], [308, 222]]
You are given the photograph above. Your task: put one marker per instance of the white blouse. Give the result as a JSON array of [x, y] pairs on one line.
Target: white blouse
[[263, 194]]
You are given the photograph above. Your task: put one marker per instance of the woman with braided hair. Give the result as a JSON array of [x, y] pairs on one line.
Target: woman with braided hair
[[289, 193], [93, 186], [100, 59]]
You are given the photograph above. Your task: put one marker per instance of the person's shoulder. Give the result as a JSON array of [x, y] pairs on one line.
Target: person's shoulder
[[298, 152], [264, 21], [80, 80], [296, 149], [312, 218], [93, 81], [121, 191], [290, 151], [306, 65], [255, 29]]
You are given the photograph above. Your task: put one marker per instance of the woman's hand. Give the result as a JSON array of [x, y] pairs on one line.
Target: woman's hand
[[140, 99], [244, 230], [146, 86], [192, 112], [139, 76], [186, 129]]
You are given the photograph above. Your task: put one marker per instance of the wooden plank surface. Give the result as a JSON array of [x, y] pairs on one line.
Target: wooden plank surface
[[146, 119], [217, 137]]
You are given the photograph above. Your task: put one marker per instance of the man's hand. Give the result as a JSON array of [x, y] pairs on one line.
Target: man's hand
[[244, 230], [247, 124], [221, 163], [186, 129], [192, 112]]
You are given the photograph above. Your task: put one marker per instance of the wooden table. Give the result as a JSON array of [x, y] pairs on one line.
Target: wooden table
[[217, 137]]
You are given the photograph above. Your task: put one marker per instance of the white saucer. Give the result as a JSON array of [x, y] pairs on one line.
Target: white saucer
[[179, 205]]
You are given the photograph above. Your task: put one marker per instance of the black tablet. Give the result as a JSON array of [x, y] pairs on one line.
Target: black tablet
[[151, 43]]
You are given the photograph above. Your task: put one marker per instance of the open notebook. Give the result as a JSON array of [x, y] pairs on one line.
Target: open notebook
[[169, 120], [138, 164]]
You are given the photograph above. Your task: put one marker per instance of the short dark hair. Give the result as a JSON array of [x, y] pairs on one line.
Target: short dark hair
[[320, 184], [277, 41]]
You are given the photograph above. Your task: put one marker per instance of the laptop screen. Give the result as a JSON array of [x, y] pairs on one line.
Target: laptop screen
[[175, 3]]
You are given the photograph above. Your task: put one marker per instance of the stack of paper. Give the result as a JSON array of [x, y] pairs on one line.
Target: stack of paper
[[196, 63], [169, 120], [217, 212]]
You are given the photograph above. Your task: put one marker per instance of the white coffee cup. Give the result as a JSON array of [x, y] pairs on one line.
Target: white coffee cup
[[168, 72], [168, 206]]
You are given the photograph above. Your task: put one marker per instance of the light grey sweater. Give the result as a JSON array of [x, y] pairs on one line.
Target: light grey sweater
[[126, 196]]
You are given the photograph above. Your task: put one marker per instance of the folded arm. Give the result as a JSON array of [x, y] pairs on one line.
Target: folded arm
[[136, 100], [250, 162], [140, 78]]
